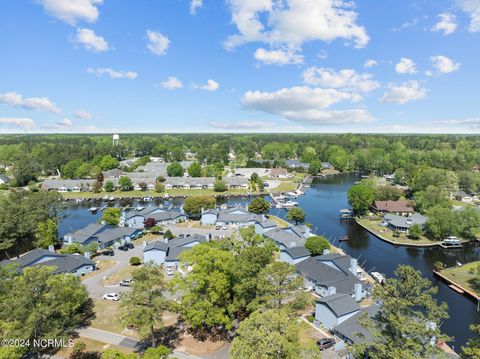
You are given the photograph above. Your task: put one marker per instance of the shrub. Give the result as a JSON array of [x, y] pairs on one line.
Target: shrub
[[135, 261]]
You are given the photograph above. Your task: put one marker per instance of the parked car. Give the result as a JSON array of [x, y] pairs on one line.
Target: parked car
[[108, 252], [126, 282], [123, 248], [112, 296], [129, 245], [218, 227], [170, 271], [224, 227], [325, 343], [181, 236]]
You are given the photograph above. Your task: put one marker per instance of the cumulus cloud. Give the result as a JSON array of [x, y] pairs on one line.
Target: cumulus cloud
[[113, 74], [444, 65], [17, 122], [157, 43], [344, 79], [71, 11], [293, 22], [405, 66], [83, 114], [278, 57], [241, 125], [195, 5], [370, 63], [172, 83], [306, 104], [211, 86], [403, 93], [447, 24], [471, 7], [91, 41], [31, 103], [65, 122]]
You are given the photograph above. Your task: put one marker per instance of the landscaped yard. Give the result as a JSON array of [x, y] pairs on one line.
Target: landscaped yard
[[280, 222], [92, 346], [463, 274], [107, 318], [375, 226]]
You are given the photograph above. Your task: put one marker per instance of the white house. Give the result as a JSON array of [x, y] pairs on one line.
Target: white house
[[294, 255], [165, 252], [334, 309]]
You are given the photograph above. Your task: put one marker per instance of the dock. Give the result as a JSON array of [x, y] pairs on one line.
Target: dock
[[456, 289]]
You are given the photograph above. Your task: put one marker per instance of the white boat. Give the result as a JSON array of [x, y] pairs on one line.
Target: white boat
[[289, 204], [451, 242], [292, 194], [105, 198], [166, 195], [147, 199], [139, 208], [379, 277], [93, 209], [111, 198]]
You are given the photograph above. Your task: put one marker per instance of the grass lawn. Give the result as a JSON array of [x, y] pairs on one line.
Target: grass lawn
[[375, 226], [93, 346], [107, 318], [285, 186], [280, 222], [146, 237], [124, 273], [463, 274], [102, 265]]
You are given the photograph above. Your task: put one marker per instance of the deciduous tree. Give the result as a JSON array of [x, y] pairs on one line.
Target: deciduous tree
[[296, 214]]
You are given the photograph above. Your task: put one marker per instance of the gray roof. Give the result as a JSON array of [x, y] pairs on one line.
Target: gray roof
[[340, 304], [405, 222], [353, 330], [114, 234], [175, 246], [297, 163], [84, 234], [69, 184], [229, 215], [297, 252], [330, 270], [190, 181], [4, 178], [112, 173], [65, 263], [285, 237], [166, 216]]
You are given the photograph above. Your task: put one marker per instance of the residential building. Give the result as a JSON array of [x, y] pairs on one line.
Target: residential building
[[103, 235], [297, 164], [64, 263], [294, 255], [334, 309], [136, 219], [280, 173], [401, 207], [4, 179], [68, 185], [403, 224], [165, 252], [292, 236]]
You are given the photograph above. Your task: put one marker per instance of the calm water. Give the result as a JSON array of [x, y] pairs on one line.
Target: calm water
[[322, 203]]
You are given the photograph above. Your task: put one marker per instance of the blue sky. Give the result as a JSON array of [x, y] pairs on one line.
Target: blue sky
[[240, 66]]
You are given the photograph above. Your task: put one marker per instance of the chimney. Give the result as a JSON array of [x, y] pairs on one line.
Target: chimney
[[144, 244], [358, 292], [51, 248], [326, 251], [86, 255], [353, 266], [203, 210], [332, 290], [165, 239]]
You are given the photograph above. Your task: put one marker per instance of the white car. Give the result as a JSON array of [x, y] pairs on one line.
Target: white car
[[170, 271], [224, 227], [112, 296]]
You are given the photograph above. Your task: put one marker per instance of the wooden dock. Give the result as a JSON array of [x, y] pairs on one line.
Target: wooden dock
[[457, 287]]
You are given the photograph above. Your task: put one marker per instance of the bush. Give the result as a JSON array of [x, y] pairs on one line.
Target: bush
[[220, 186], [72, 249], [159, 187], [168, 235], [316, 245], [109, 186], [135, 261], [156, 229]]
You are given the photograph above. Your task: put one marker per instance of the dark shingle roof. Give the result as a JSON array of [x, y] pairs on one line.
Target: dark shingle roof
[[340, 304], [353, 330], [297, 252], [175, 246]]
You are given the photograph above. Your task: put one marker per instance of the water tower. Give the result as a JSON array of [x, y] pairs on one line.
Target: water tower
[[116, 139]]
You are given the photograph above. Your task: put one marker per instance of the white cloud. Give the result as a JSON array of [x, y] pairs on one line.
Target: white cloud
[[444, 65], [65, 122], [195, 5], [471, 7], [114, 74], [293, 22], [447, 24], [31, 103], [370, 63], [172, 83], [241, 125], [157, 43], [18, 122], [83, 114], [306, 104], [71, 11], [278, 57], [405, 66], [91, 41], [403, 93], [211, 86], [469, 122], [344, 79]]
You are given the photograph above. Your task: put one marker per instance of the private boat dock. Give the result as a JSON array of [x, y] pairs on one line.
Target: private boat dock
[[346, 214]]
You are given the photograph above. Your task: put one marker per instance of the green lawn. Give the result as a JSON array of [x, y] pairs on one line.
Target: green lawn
[[280, 222], [375, 226], [463, 274]]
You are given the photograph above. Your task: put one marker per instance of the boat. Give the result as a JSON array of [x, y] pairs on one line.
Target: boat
[[139, 208], [292, 194], [147, 199], [105, 198], [93, 209], [111, 198], [344, 239], [379, 277], [346, 213], [166, 195], [289, 204], [451, 242]]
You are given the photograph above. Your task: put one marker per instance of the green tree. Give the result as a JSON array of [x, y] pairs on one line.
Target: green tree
[[160, 179], [38, 304], [272, 334], [472, 349], [97, 187], [415, 231], [175, 169], [469, 219], [387, 193], [296, 214], [193, 205], [125, 183], [168, 235], [160, 352], [111, 216], [407, 320], [108, 162], [279, 285], [159, 187], [25, 170], [69, 170], [316, 245], [135, 261], [360, 197], [259, 205], [115, 354], [219, 186], [145, 304], [315, 167], [46, 234], [442, 223], [254, 177], [73, 249], [109, 186], [195, 170], [207, 302], [430, 197]]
